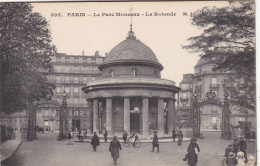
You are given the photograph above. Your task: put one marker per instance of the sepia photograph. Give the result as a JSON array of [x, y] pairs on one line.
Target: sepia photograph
[[170, 83]]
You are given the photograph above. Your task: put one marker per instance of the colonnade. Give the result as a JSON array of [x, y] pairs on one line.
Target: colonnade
[[171, 114]]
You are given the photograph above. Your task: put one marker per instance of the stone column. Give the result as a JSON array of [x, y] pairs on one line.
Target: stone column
[[145, 116], [89, 117], [170, 116], [95, 116], [175, 120], [127, 114], [109, 115], [160, 117]]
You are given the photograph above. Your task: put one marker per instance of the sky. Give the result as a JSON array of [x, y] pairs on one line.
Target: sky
[[165, 35]]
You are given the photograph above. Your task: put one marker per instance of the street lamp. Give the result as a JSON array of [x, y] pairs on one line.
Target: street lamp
[[196, 116], [226, 118], [63, 117]]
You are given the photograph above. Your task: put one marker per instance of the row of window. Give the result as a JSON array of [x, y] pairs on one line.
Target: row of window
[[74, 101], [47, 113], [72, 59], [76, 69], [67, 89], [3, 120], [70, 79]]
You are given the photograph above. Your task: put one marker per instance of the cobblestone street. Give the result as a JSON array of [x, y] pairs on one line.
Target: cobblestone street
[[46, 151]]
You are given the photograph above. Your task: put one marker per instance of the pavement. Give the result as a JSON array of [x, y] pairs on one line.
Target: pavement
[[8, 148], [47, 151]]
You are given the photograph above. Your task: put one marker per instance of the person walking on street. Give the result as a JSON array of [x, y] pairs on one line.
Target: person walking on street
[[105, 135], [235, 145], [247, 134], [69, 138], [173, 134], [95, 141], [155, 142], [124, 136], [180, 138], [193, 151], [114, 149]]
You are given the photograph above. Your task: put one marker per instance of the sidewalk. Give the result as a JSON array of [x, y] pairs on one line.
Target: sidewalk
[[8, 148]]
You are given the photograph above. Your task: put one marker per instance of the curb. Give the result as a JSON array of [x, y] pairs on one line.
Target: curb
[[12, 153]]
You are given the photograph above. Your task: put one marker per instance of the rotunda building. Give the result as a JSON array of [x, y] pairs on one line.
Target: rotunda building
[[130, 95]]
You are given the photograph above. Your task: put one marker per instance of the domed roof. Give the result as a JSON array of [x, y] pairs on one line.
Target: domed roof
[[131, 49]]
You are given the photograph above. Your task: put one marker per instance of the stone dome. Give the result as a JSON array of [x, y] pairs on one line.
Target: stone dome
[[131, 49]]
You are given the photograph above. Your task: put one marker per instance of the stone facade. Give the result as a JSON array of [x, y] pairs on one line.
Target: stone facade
[[70, 73], [206, 80], [130, 95]]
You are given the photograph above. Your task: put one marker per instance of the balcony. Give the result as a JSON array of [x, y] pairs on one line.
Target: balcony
[[214, 86]]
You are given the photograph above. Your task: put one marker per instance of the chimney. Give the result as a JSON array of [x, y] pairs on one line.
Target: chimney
[[83, 53], [105, 54]]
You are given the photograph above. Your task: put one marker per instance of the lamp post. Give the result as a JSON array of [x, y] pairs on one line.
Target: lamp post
[[196, 116], [226, 118], [63, 116]]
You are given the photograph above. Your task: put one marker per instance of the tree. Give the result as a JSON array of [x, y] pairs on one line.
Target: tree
[[25, 50], [228, 40]]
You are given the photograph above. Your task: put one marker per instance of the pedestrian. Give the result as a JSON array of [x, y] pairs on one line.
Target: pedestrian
[[235, 145], [124, 136], [80, 136], [173, 134], [242, 146], [114, 149], [95, 141], [231, 159], [247, 134], [105, 135], [180, 138], [240, 159], [155, 142], [192, 153], [69, 138]]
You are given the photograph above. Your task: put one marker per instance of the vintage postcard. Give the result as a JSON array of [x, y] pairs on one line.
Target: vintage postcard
[[128, 83]]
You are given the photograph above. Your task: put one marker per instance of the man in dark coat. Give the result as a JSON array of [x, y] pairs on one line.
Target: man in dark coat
[[180, 138], [95, 141], [193, 150], [105, 135], [155, 142], [114, 149], [125, 136]]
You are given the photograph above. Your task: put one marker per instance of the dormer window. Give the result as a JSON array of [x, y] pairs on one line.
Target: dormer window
[[111, 73], [135, 72]]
